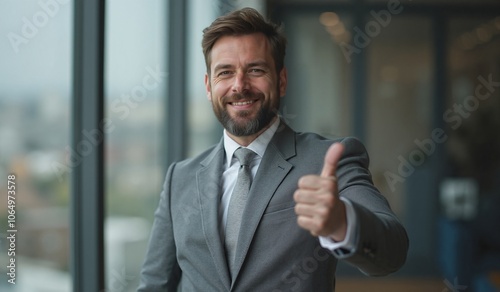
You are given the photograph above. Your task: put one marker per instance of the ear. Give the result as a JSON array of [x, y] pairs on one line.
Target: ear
[[283, 79], [207, 87]]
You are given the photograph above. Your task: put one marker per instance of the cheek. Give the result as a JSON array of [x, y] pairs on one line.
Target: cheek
[[219, 91]]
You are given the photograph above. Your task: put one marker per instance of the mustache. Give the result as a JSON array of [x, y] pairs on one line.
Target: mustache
[[241, 96]]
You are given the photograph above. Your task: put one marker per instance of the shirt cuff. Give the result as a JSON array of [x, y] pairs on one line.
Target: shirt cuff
[[347, 246]]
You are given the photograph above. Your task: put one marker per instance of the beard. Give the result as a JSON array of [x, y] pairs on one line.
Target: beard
[[243, 124]]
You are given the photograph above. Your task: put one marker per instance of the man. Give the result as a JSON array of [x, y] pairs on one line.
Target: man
[[282, 219]]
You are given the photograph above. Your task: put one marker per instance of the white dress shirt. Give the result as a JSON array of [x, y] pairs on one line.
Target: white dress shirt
[[259, 145]]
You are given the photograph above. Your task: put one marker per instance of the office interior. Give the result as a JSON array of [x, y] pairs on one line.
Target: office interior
[[97, 98]]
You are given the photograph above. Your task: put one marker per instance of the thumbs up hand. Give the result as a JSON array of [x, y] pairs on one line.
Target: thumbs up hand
[[318, 207]]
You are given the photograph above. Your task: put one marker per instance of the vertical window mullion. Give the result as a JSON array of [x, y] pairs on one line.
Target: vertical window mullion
[[87, 147], [176, 103]]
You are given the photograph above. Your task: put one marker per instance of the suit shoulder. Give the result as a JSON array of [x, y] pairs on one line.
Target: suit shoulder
[[313, 139], [317, 143], [195, 161]]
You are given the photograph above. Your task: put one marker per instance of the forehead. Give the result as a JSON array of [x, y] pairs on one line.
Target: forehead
[[241, 49]]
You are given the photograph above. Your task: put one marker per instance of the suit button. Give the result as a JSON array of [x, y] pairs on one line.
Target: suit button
[[368, 252]]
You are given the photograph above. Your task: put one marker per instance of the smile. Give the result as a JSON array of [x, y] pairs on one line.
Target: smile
[[240, 103]]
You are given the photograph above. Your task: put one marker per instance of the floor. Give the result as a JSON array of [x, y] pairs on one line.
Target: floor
[[392, 285]]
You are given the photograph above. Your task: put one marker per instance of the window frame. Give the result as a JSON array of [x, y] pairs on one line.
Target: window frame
[[87, 182]]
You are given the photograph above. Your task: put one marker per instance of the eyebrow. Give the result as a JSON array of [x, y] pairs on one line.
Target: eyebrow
[[258, 63], [222, 66], [252, 64]]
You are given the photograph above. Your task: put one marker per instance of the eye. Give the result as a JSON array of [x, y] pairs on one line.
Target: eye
[[257, 71], [223, 73]]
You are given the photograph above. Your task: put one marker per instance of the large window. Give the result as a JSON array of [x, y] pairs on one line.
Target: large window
[[135, 102], [35, 89], [318, 73], [470, 193], [399, 121], [203, 129]]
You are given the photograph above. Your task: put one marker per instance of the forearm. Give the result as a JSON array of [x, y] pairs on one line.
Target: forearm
[[382, 243]]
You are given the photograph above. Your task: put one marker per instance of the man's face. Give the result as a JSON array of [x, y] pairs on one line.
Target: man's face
[[243, 84]]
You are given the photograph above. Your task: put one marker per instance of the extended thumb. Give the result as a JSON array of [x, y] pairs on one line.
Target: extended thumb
[[332, 158]]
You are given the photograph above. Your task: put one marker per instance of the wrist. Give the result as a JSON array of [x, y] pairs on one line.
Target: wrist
[[340, 223]]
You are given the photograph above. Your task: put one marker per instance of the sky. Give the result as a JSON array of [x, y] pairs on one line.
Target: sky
[[36, 44]]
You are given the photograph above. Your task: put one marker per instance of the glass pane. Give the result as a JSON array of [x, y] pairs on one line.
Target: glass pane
[[135, 93], [399, 121], [399, 97], [35, 90], [470, 193], [319, 74], [474, 61], [203, 128]]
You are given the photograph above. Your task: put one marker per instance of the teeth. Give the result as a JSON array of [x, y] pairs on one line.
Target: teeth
[[243, 102]]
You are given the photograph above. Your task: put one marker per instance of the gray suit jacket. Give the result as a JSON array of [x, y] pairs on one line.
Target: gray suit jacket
[[273, 253]]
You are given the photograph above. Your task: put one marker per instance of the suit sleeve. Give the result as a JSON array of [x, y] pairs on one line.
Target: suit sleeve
[[382, 242], [160, 271]]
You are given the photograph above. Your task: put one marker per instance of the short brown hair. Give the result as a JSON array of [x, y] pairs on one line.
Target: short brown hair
[[243, 22]]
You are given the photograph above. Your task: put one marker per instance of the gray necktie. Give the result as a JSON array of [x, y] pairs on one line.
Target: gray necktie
[[237, 203]]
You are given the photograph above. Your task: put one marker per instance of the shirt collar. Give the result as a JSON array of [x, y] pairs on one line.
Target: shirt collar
[[258, 145]]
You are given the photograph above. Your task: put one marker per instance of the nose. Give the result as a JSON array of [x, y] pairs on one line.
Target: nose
[[240, 83]]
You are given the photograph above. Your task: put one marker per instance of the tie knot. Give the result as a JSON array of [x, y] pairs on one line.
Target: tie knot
[[244, 155]]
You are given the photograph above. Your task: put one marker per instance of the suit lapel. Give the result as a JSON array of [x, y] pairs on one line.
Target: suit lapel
[[273, 169], [209, 192]]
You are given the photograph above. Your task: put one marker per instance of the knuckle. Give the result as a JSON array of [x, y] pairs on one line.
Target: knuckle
[[303, 180], [296, 195], [302, 222]]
